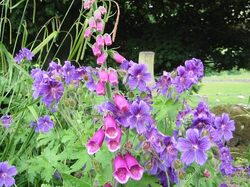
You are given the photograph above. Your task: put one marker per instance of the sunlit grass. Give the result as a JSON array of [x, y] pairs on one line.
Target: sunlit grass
[[226, 89]]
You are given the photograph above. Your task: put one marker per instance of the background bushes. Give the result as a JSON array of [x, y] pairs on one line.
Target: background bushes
[[218, 32]]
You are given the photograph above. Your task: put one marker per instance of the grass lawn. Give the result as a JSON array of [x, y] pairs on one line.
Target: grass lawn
[[226, 89]]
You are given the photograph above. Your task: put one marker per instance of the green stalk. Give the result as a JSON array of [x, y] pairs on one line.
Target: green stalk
[[60, 26], [19, 28]]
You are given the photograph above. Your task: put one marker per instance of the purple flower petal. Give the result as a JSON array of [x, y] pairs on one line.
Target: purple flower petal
[[188, 157]]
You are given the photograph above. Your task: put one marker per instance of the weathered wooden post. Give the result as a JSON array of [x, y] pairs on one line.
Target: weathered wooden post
[[147, 58]]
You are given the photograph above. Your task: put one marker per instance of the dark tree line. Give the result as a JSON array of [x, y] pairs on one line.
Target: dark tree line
[[216, 31]]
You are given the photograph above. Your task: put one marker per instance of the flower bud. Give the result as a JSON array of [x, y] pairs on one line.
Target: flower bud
[[107, 39], [87, 33], [100, 41], [206, 173], [102, 59], [100, 88], [96, 50], [92, 23], [121, 103], [118, 58], [103, 76], [100, 26], [113, 77], [102, 9], [97, 15], [87, 5]]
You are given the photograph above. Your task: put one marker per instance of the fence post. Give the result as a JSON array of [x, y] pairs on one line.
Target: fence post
[[147, 58]]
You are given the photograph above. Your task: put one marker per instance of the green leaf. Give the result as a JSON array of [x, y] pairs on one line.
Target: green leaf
[[71, 181], [44, 42], [145, 181]]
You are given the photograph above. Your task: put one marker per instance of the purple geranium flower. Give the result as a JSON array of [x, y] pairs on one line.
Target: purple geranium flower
[[224, 127], [226, 166], [68, 72], [182, 81], [90, 84], [180, 118], [127, 64], [55, 70], [140, 116], [6, 121], [156, 139], [195, 69], [22, 54], [7, 173], [44, 124], [201, 123], [170, 153], [51, 91], [164, 83], [138, 76], [202, 111], [194, 147]]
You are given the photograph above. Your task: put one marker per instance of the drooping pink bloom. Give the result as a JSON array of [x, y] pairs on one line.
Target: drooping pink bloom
[[92, 23], [102, 9], [136, 170], [118, 58], [95, 143], [115, 144], [121, 103], [100, 41], [96, 50], [102, 59], [98, 15], [87, 5], [121, 172], [103, 76], [100, 26], [110, 127], [100, 88], [113, 77], [107, 39], [87, 33]]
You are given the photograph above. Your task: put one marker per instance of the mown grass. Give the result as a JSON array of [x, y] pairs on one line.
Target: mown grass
[[226, 89]]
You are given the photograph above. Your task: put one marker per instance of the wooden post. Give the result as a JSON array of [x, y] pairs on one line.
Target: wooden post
[[147, 58]]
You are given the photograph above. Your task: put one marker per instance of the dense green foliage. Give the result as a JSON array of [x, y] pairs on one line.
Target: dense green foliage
[[215, 31]]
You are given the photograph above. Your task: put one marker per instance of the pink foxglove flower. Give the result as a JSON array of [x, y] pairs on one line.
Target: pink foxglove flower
[[107, 39], [100, 88], [121, 103], [121, 172], [87, 33], [113, 77], [98, 15], [87, 5], [102, 59], [110, 127], [136, 170], [115, 144], [95, 143], [92, 23], [96, 50], [118, 58], [103, 76], [100, 26], [100, 40], [102, 9]]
